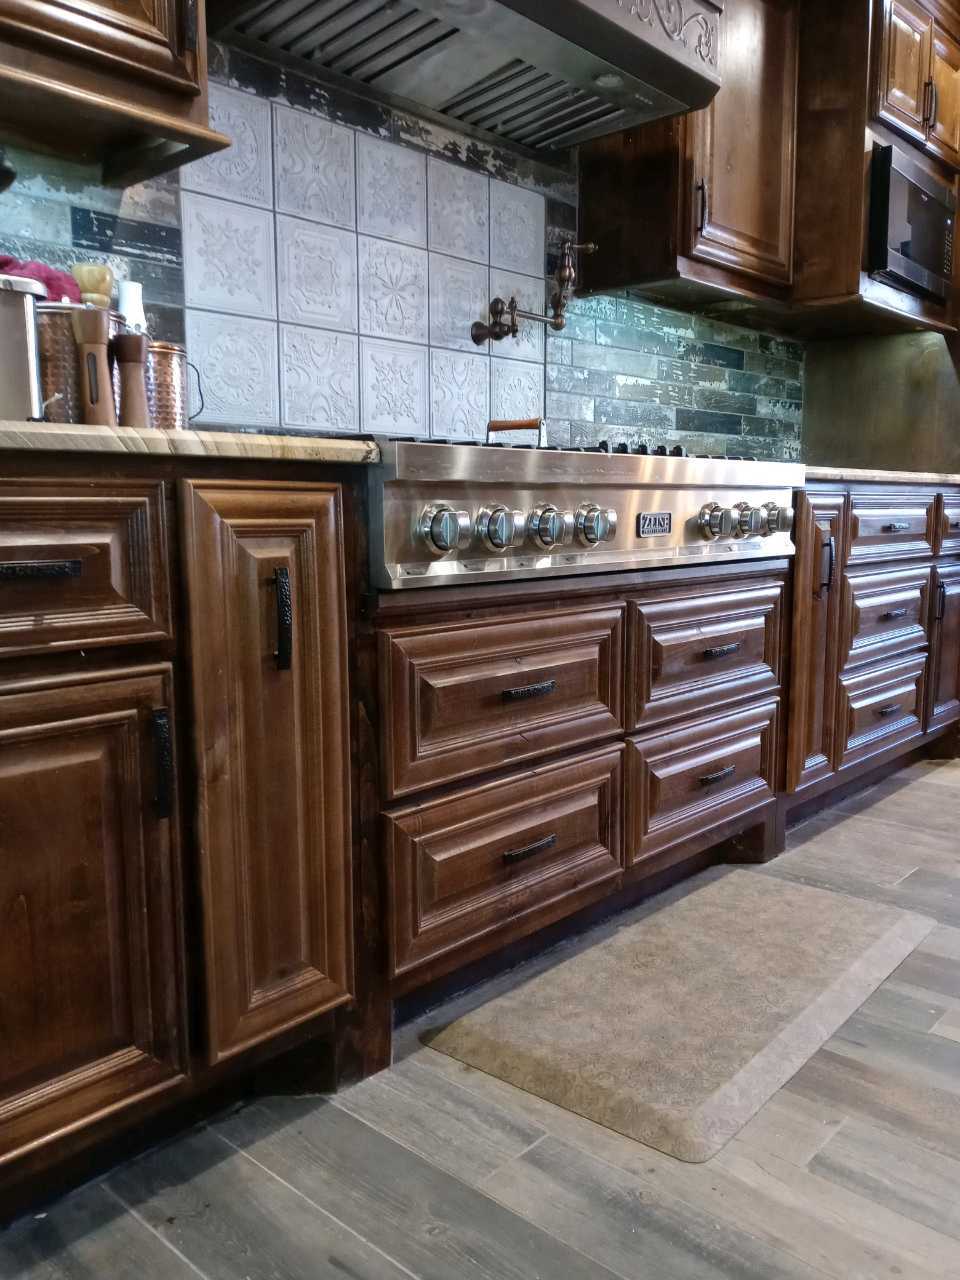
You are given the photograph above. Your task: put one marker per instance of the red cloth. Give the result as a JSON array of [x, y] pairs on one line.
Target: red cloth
[[59, 284]]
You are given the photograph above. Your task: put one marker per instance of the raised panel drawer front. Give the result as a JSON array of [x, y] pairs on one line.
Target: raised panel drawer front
[[950, 533], [891, 526], [501, 859], [265, 572], [883, 614], [881, 707], [692, 651], [92, 1011], [82, 563], [465, 697], [684, 781]]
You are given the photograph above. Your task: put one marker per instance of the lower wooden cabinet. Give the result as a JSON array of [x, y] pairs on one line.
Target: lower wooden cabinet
[[265, 578], [880, 707], [473, 870], [91, 985], [883, 614], [686, 780], [945, 656]]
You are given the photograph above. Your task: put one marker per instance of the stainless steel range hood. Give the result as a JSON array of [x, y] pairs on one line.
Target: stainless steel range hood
[[543, 74]]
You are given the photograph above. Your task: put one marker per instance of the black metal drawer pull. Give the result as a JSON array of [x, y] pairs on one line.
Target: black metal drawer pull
[[722, 650], [891, 614], [529, 851], [163, 762], [941, 600], [828, 554], [897, 526], [539, 690], [890, 709], [709, 779], [14, 569], [284, 653]]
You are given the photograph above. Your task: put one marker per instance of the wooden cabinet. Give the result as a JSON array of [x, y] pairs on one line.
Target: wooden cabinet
[[880, 708], [471, 871], [692, 649], [945, 649], [918, 78], [702, 206], [129, 75], [819, 534], [742, 146], [91, 982], [883, 614], [890, 526], [461, 698], [264, 567]]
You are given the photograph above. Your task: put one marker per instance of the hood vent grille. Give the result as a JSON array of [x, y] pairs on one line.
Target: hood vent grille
[[540, 75]]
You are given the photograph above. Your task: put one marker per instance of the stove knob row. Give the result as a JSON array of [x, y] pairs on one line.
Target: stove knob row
[[744, 521], [498, 528]]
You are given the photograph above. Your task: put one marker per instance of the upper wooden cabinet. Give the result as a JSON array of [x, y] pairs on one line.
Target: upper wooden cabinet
[[265, 578], [129, 75], [698, 206], [918, 78]]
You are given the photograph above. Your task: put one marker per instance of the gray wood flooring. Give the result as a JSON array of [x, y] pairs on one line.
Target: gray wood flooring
[[436, 1171]]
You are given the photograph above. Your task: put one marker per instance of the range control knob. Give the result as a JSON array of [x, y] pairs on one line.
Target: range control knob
[[779, 519], [499, 528], [595, 524], [716, 521], [445, 530], [550, 527], [750, 522]]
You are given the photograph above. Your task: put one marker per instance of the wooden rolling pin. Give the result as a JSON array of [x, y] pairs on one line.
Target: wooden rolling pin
[[130, 350], [91, 330]]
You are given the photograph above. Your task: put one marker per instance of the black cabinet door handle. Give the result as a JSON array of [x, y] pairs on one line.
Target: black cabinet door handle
[[891, 614], [284, 651], [897, 526], [941, 600], [523, 691], [709, 779], [529, 851], [828, 553], [722, 650], [163, 762], [13, 570], [890, 709]]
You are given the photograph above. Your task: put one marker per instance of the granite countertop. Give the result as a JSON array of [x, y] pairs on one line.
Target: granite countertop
[[855, 474], [76, 438]]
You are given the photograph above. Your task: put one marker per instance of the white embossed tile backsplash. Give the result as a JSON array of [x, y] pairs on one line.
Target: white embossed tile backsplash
[[332, 276]]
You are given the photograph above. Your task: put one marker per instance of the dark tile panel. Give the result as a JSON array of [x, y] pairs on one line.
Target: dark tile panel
[[108, 233], [728, 424]]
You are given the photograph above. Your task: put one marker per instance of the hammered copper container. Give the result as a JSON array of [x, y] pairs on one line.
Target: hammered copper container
[[60, 361], [167, 386]]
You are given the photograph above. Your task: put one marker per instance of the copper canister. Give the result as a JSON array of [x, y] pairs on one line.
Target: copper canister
[[60, 380], [167, 386]]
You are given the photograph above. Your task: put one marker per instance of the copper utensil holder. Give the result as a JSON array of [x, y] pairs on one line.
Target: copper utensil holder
[[167, 397], [60, 372]]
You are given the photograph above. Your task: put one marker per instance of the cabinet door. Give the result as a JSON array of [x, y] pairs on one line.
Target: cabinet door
[[945, 648], [904, 69], [154, 40], [91, 1007], [944, 124], [743, 145], [811, 745], [264, 566]]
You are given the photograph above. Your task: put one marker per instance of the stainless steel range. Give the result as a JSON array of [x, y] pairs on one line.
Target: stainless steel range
[[444, 514]]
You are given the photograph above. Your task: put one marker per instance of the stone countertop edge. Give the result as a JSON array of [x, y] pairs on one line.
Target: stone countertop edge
[[77, 438], [855, 474]]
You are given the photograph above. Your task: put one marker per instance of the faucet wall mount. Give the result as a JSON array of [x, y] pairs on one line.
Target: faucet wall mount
[[505, 316]]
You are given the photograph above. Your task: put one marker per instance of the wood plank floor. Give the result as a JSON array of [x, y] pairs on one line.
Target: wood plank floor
[[436, 1171]]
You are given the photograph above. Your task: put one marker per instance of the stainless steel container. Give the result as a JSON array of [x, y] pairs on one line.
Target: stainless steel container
[[60, 361], [20, 398]]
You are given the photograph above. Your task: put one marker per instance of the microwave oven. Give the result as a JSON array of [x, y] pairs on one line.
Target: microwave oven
[[910, 231]]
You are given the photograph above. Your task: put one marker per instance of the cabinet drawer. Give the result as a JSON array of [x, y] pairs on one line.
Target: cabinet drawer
[[490, 863], [878, 708], [465, 697], [883, 614], [950, 534], [82, 563], [690, 653], [891, 525], [682, 782]]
